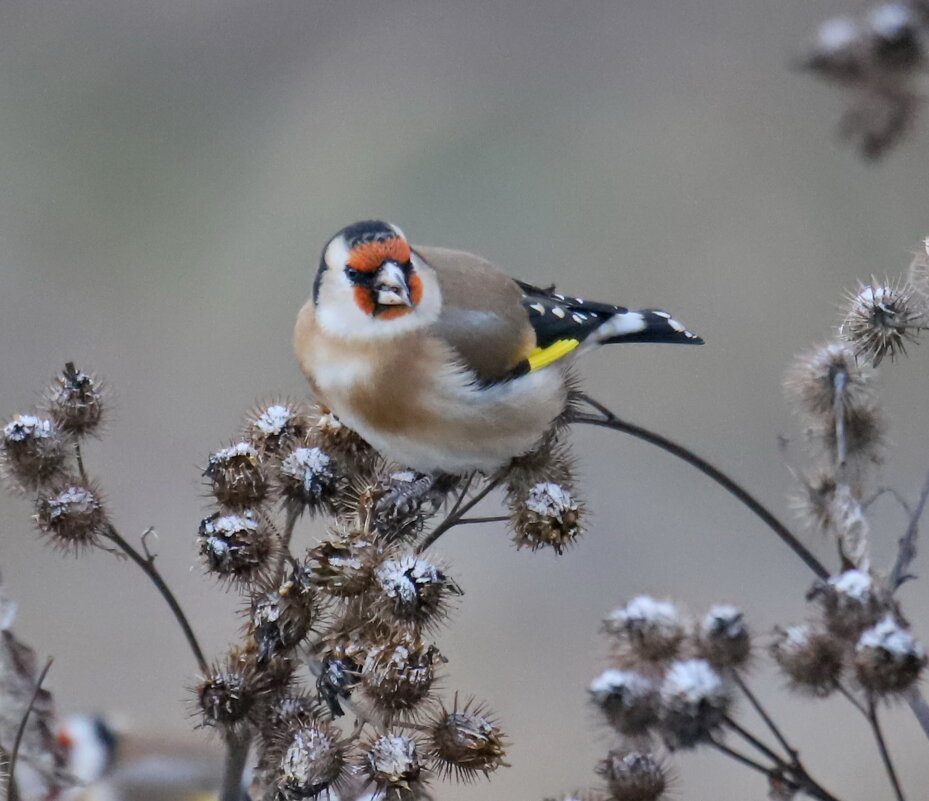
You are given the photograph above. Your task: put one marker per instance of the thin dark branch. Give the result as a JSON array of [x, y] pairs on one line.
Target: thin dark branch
[[752, 740], [879, 493], [769, 722], [293, 512], [148, 567], [882, 747], [748, 761], [17, 742], [732, 487], [919, 707], [464, 521], [907, 549], [851, 699], [457, 513]]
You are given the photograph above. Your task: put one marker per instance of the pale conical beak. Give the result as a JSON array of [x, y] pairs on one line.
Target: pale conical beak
[[391, 286]]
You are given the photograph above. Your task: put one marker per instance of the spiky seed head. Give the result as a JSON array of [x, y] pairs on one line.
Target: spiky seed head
[[646, 630], [894, 37], [627, 699], [813, 502], [72, 514], [633, 776], [313, 762], [810, 657], [339, 674], [888, 659], [397, 675], [812, 379], [336, 438], [550, 460], [411, 590], [288, 710], [308, 479], [864, 428], [237, 476], [723, 638], [465, 742], [547, 516], [274, 427], [694, 701], [839, 52], [344, 564], [229, 694], [236, 547], [881, 318], [283, 617], [35, 450], [76, 401], [851, 603], [392, 763]]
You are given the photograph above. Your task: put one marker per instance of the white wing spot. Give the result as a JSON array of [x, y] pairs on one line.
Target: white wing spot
[[665, 315], [578, 318], [675, 325], [558, 312], [538, 308], [556, 296]]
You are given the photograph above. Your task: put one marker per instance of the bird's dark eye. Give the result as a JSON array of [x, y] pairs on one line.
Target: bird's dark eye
[[354, 275]]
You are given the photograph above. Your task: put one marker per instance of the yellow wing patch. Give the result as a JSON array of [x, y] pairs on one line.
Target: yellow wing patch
[[541, 357]]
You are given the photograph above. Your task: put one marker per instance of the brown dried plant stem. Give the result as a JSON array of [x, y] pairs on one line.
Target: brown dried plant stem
[[611, 421], [882, 747], [237, 746], [763, 714], [458, 512], [147, 564], [12, 789]]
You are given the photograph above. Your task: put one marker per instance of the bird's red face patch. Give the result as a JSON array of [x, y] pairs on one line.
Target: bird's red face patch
[[369, 256]]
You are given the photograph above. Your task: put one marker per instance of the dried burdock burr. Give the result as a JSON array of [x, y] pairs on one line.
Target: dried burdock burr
[[816, 376], [339, 674], [464, 742], [274, 427], [547, 515], [411, 590], [888, 659], [392, 763], [282, 617], [633, 776], [343, 565], [34, 450], [694, 701], [237, 547], [71, 514], [723, 638], [76, 401], [308, 480], [881, 318], [628, 700], [810, 657], [850, 602], [237, 476], [646, 630], [312, 761], [398, 674], [229, 694]]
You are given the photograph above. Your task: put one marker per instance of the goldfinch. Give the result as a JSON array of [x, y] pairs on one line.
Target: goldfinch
[[440, 361]]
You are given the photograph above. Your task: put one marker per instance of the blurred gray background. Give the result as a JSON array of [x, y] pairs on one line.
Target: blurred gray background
[[170, 171]]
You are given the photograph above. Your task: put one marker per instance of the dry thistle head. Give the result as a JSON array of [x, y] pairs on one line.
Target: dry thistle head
[[813, 504], [723, 638], [881, 318], [646, 630], [287, 710], [72, 514], [274, 427], [237, 476], [312, 761], [309, 480], [888, 659], [236, 547], [392, 763], [864, 429], [813, 379], [35, 450], [548, 515], [398, 674], [633, 776], [334, 437], [809, 657], [283, 617], [410, 590], [628, 700], [694, 701], [465, 742], [850, 603], [229, 694], [343, 565], [76, 401]]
